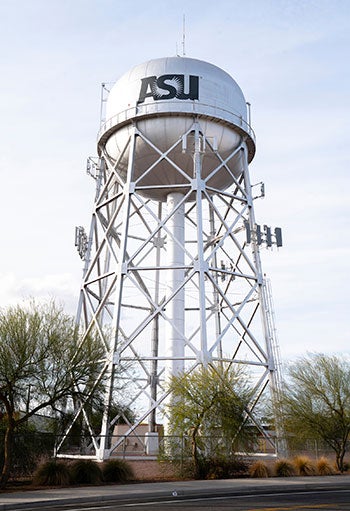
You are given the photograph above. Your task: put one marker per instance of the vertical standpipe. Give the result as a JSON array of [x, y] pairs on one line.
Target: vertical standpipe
[[175, 309]]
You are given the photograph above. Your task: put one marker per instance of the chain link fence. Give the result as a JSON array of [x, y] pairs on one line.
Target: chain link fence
[[30, 448]]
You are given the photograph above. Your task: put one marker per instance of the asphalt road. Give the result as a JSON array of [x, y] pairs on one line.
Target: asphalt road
[[323, 500], [273, 494]]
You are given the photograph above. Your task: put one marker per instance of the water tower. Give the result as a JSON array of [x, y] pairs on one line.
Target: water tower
[[172, 275]]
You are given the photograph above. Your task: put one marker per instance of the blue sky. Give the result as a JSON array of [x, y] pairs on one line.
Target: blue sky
[[291, 59]]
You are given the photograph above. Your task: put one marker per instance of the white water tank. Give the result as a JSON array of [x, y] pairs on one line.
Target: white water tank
[[163, 98]]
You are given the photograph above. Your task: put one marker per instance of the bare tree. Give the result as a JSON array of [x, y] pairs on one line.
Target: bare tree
[[316, 402], [41, 363]]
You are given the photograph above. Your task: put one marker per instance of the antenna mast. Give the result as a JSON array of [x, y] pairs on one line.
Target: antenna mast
[[183, 35]]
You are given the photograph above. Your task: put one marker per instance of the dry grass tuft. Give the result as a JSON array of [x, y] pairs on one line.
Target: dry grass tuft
[[284, 468], [304, 466], [117, 471], [259, 469], [52, 473], [324, 467], [85, 472]]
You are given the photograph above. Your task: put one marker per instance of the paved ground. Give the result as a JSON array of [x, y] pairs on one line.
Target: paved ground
[[28, 499]]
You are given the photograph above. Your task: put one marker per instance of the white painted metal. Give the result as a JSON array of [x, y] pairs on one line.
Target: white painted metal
[[220, 106], [175, 329], [170, 286]]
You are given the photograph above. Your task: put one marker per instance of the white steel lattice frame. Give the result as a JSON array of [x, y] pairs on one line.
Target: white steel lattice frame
[[125, 296]]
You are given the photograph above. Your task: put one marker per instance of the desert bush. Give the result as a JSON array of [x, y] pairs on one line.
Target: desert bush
[[52, 473], [258, 469], [304, 466], [222, 468], [284, 468], [324, 467], [346, 466], [213, 468], [85, 472], [117, 471]]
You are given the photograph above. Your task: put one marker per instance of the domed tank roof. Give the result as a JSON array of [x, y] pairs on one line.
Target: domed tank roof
[[173, 86]]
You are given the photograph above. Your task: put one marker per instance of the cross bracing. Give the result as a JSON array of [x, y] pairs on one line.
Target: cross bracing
[[169, 280]]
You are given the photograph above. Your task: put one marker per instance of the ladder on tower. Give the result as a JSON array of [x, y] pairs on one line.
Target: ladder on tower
[[272, 332], [281, 443]]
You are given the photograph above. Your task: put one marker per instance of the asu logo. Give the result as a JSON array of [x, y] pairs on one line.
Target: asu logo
[[169, 87]]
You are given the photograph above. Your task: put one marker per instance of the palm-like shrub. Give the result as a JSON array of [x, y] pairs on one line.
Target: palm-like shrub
[[324, 467], [85, 472], [258, 469], [284, 468], [117, 471], [52, 473], [304, 466]]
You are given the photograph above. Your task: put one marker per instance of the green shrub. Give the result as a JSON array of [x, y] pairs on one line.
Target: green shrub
[[213, 468], [346, 466], [258, 469], [52, 473], [324, 467], [304, 466], [85, 472], [284, 468], [221, 468], [117, 471]]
